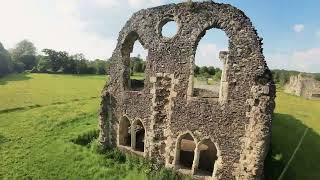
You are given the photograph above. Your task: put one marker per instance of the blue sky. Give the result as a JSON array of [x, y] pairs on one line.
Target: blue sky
[[290, 28]]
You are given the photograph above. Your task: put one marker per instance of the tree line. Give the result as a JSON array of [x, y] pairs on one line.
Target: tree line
[[206, 72], [23, 57]]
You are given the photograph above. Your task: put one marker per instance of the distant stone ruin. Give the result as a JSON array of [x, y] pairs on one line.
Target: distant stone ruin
[[219, 136], [303, 85]]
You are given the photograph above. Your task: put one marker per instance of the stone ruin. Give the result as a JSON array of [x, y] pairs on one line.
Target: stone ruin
[[303, 85], [162, 118]]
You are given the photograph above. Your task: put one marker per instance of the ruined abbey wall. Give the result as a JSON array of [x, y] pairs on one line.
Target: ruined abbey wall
[[304, 86], [236, 125]]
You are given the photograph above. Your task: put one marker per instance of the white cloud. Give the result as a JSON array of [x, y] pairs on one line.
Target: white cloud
[[208, 55], [306, 60], [298, 28], [51, 25], [308, 55]]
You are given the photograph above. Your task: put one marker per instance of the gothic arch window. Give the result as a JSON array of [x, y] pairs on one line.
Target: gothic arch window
[[134, 60], [138, 133], [125, 132], [185, 152], [207, 152], [209, 74]]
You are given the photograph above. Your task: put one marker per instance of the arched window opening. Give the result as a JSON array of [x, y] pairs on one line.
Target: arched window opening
[[210, 65], [208, 156], [135, 56], [125, 132], [138, 59], [186, 149], [140, 136]]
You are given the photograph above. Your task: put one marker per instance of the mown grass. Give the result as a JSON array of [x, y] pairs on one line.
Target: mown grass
[[27, 90], [53, 135], [292, 116], [58, 140]]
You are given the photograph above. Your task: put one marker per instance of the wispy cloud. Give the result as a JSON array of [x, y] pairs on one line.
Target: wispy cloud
[[308, 55], [318, 33], [298, 28], [208, 55], [304, 60], [144, 3]]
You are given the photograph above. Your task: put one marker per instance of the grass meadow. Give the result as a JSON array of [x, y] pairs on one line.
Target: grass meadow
[[48, 124]]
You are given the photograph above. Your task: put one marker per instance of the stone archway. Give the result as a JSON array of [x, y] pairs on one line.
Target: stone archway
[[138, 136], [125, 132], [207, 156], [185, 152]]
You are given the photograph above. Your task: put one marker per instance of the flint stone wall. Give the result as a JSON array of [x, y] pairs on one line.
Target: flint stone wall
[[304, 86], [239, 124]]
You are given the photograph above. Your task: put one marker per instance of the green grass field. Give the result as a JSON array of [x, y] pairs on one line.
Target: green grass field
[[47, 123]]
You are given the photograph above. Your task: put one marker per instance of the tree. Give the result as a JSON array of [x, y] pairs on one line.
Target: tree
[[211, 70], [137, 64], [43, 64], [57, 59], [100, 66], [81, 67], [217, 75], [204, 71], [29, 61], [5, 61], [196, 70], [25, 52]]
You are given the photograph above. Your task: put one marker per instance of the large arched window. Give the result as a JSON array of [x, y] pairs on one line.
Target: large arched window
[[125, 132], [209, 73], [185, 152], [134, 55]]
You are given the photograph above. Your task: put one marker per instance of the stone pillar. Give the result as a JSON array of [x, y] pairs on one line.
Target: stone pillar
[[223, 93], [196, 158], [133, 136]]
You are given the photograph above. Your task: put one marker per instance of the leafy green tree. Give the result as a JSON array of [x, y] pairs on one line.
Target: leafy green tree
[[101, 66], [81, 67], [43, 64], [196, 70], [57, 59], [5, 61], [137, 64], [211, 70], [217, 75], [24, 52], [19, 67], [204, 71], [29, 61]]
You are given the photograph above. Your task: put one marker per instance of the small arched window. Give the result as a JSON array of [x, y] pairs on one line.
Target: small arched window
[[138, 136], [185, 152], [208, 156], [125, 132]]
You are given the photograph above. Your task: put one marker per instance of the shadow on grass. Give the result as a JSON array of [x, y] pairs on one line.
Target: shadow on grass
[[14, 77], [86, 138], [38, 105], [3, 139], [286, 133]]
